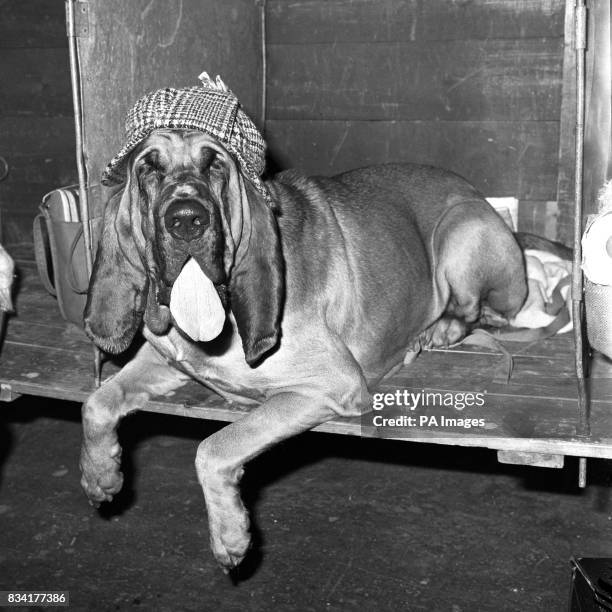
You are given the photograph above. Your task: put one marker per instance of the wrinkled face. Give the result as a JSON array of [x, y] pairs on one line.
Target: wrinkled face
[[183, 178], [185, 197]]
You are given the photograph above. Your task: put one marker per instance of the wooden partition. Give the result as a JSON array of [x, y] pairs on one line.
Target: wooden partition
[[598, 113], [475, 87], [36, 122], [128, 48]]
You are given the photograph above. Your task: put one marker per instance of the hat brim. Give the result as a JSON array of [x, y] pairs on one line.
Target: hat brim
[[115, 172]]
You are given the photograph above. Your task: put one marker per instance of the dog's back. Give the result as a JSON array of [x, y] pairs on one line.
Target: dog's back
[[401, 244]]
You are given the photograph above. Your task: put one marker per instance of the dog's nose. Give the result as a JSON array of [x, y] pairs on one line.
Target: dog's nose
[[186, 220]]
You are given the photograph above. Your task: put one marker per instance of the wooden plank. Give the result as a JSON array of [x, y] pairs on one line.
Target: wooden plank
[[19, 203], [476, 150], [29, 179], [40, 154], [430, 376], [22, 254], [46, 334], [17, 231], [557, 347], [39, 82], [598, 108], [36, 136], [57, 170], [567, 132], [573, 446], [36, 110], [499, 416], [532, 377], [539, 218], [450, 373], [22, 198], [485, 363], [43, 356], [533, 459], [317, 21], [138, 46], [45, 313], [532, 425], [27, 23], [37, 308], [7, 394], [451, 81], [25, 367]]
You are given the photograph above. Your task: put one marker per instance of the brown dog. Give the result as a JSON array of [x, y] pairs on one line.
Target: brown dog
[[324, 295]]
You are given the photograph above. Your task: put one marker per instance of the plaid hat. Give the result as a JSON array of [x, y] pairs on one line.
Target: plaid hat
[[211, 108]]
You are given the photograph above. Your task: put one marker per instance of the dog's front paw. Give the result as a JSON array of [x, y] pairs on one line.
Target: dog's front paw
[[101, 477], [229, 535]]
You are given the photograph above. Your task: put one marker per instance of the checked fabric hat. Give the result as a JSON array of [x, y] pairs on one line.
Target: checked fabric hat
[[211, 108]]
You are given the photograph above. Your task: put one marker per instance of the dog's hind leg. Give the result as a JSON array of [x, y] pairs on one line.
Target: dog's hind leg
[[147, 375], [478, 262]]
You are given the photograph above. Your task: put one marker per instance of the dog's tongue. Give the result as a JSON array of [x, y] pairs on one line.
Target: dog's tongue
[[195, 304]]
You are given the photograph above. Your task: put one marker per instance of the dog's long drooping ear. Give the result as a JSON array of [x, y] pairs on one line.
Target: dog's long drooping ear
[[257, 287], [117, 290]]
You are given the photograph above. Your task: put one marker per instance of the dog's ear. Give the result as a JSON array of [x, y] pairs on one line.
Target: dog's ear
[[118, 286], [257, 287]]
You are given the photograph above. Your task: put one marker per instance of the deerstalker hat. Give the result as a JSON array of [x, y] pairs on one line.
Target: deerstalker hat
[[211, 108]]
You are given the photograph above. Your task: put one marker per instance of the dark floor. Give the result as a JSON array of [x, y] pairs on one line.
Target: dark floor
[[343, 523]]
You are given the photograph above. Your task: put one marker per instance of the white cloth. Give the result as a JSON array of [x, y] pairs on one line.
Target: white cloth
[[544, 272]]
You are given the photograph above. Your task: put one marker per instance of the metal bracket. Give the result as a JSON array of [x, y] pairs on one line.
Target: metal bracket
[[79, 28], [581, 27]]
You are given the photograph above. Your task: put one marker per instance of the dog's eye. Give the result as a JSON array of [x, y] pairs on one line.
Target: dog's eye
[[154, 166], [151, 164], [216, 164]]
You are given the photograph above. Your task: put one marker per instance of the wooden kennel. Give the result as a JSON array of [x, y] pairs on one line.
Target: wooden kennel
[[494, 90]]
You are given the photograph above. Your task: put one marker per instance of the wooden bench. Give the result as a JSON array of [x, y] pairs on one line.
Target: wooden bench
[[533, 419]]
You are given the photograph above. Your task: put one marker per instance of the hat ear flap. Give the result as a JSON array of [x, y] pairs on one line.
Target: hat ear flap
[[257, 286], [116, 298]]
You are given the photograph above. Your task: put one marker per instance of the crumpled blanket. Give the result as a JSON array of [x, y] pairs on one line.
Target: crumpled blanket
[[544, 272]]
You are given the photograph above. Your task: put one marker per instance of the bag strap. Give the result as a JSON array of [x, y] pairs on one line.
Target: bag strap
[[72, 280], [54, 254], [557, 307], [480, 337], [41, 247]]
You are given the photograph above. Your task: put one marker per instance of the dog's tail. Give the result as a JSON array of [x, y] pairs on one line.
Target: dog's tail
[[532, 241]]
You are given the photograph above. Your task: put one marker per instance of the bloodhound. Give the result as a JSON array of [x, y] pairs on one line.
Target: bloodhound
[[324, 292]]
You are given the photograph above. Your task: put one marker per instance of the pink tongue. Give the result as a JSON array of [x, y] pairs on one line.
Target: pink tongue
[[195, 304]]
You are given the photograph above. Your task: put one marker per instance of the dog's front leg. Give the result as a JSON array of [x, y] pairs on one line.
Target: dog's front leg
[[221, 457], [147, 375]]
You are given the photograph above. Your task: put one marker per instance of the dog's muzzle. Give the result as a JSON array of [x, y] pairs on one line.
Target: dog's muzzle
[[186, 220]]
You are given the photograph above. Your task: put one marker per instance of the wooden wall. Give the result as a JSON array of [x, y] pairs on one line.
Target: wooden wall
[[598, 111], [471, 86], [136, 46], [35, 111]]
